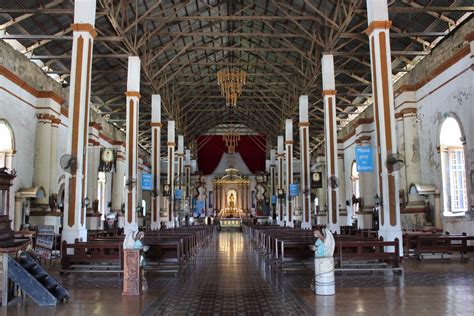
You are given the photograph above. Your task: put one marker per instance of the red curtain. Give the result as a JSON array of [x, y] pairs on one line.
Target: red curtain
[[211, 149], [252, 150]]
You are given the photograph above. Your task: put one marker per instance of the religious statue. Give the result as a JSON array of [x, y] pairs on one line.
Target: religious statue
[[232, 200]]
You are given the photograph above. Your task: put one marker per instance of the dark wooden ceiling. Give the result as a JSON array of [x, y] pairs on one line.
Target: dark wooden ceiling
[[183, 43]]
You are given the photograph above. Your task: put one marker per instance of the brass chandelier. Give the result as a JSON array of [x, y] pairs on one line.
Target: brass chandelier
[[231, 83], [231, 140]]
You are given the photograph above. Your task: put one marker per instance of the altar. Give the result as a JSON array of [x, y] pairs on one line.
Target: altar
[[231, 194], [230, 223]]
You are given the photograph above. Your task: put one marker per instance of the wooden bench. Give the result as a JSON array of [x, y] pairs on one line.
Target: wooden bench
[[367, 255], [446, 244], [104, 256]]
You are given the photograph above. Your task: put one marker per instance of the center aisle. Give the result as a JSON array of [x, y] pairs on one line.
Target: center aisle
[[228, 276]]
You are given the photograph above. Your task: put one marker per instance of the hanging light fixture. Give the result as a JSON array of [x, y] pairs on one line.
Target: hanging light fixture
[[231, 83], [231, 140]]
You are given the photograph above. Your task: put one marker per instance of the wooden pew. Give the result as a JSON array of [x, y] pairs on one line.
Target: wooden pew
[[446, 244], [92, 256]]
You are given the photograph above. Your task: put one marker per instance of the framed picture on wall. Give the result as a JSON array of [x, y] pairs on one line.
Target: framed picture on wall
[[211, 199]]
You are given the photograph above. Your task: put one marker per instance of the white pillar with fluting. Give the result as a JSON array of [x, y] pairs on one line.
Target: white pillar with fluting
[[187, 179], [79, 97], [330, 132], [382, 89], [131, 141], [155, 161], [281, 178], [273, 181], [170, 174], [305, 166], [289, 171]]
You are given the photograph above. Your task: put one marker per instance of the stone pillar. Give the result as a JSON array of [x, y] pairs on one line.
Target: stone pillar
[[131, 141], [281, 179], [344, 217], [382, 89], [305, 167], [272, 180], [412, 167], [41, 176], [180, 155], [79, 96], [289, 170], [187, 178], [155, 161], [401, 146], [330, 129], [170, 175], [93, 153], [53, 158], [118, 180], [18, 219]]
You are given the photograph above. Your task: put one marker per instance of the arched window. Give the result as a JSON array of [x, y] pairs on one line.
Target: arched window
[[7, 144], [453, 167], [355, 180]]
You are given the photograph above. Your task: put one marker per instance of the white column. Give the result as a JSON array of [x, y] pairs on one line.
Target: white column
[[41, 176], [272, 179], [170, 174], [281, 177], [53, 160], [330, 129], [305, 166], [118, 180], [382, 89], [180, 172], [289, 171], [412, 167], [79, 96], [155, 161], [93, 152], [401, 146], [187, 178], [131, 141], [367, 192]]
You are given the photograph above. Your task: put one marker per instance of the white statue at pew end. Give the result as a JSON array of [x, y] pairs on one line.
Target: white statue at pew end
[[325, 244]]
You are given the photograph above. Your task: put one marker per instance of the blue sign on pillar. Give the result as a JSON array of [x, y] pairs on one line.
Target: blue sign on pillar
[[147, 182], [274, 199], [294, 189], [364, 159], [178, 194]]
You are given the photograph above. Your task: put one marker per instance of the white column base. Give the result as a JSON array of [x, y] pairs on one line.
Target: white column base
[[133, 227], [306, 226], [389, 234], [71, 234]]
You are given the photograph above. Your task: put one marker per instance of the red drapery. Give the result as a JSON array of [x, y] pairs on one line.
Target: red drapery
[[211, 149]]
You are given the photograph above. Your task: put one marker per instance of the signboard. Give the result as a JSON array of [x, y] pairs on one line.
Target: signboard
[[294, 189], [316, 180], [44, 241], [147, 182], [178, 194], [274, 199], [364, 159]]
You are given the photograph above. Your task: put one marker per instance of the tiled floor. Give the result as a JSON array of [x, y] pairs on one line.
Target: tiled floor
[[229, 277]]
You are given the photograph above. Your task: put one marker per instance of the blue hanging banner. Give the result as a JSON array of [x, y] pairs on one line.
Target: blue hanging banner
[[364, 158], [178, 194], [274, 199], [200, 208], [147, 182], [294, 189]]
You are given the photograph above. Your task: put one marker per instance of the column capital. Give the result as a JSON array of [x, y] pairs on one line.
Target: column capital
[[155, 124], [378, 25], [303, 124], [328, 93], [132, 94], [84, 27]]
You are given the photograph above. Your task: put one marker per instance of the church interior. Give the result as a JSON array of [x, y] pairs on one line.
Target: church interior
[[264, 157]]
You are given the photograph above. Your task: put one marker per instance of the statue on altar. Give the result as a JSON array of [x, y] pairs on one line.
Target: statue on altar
[[232, 200]]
